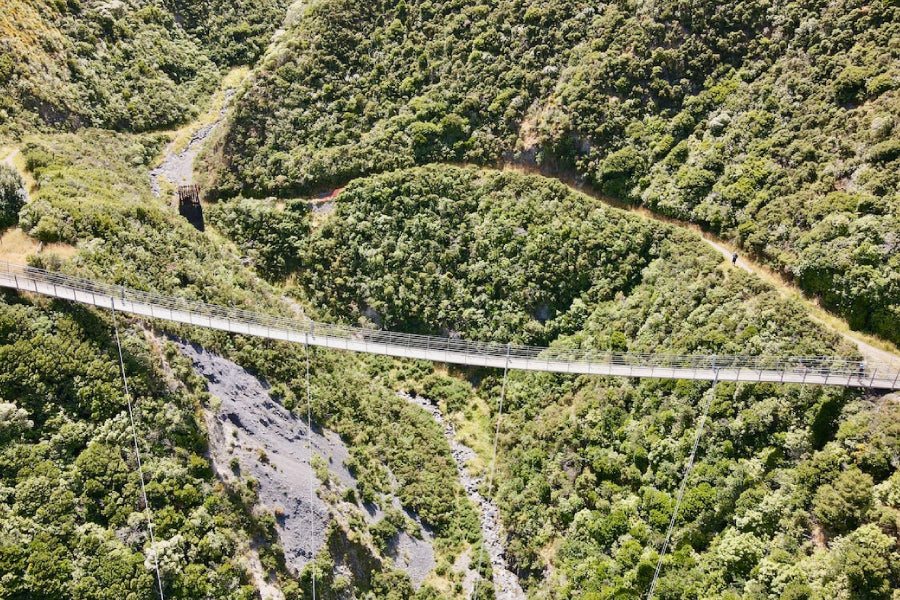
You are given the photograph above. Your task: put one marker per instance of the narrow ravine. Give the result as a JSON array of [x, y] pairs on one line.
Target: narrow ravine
[[506, 583], [178, 167]]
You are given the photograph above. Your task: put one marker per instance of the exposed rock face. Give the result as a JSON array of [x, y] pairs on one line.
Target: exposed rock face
[[414, 556], [271, 445]]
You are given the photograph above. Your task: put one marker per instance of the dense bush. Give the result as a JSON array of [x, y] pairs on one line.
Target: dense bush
[[492, 256], [770, 124], [743, 117], [71, 520], [94, 193], [589, 467], [271, 236], [12, 196], [134, 66], [230, 32], [506, 256]]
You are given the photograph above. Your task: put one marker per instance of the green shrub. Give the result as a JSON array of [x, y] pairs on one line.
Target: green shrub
[[12, 196]]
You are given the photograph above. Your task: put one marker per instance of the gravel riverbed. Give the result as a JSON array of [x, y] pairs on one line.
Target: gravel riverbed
[[506, 583]]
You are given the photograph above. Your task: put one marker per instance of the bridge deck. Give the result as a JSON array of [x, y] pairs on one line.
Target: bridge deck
[[801, 370]]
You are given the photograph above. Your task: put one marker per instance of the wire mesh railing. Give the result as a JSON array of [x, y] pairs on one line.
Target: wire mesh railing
[[834, 368]]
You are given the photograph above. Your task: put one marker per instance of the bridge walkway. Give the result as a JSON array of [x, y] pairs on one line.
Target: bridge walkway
[[834, 371]]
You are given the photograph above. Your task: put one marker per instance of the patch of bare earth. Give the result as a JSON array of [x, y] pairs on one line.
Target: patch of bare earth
[[818, 538]]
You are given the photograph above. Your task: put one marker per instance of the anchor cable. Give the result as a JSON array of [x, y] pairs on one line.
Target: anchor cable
[[137, 451], [493, 462], [684, 480], [311, 479]]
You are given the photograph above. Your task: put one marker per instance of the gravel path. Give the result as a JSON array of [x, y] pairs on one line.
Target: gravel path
[[506, 584], [178, 169]]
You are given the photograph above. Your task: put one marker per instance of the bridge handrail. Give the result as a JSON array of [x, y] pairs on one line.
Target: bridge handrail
[[825, 365]]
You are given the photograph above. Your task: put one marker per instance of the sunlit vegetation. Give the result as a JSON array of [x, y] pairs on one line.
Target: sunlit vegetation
[[72, 521], [773, 126], [591, 469], [271, 236], [93, 193], [507, 256], [791, 490], [133, 66], [12, 196]]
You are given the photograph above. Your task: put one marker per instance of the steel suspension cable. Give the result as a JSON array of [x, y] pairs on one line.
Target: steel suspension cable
[[493, 462], [312, 474], [137, 454], [684, 481]]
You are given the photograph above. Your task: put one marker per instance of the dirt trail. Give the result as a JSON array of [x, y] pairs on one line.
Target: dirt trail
[[506, 584], [12, 157], [888, 353], [9, 156], [870, 352]]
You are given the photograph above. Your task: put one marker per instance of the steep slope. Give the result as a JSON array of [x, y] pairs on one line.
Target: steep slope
[[768, 123], [71, 518], [93, 193], [132, 65], [795, 493]]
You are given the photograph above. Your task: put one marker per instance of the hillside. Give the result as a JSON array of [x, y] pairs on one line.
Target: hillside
[[770, 124], [132, 65], [354, 180], [589, 467], [94, 196]]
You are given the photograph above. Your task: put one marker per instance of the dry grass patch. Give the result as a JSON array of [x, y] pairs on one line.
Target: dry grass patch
[[16, 246]]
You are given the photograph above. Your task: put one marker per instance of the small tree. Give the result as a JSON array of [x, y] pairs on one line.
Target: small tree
[[12, 196], [841, 506]]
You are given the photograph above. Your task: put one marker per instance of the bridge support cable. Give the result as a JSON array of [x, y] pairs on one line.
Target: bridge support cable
[[137, 453], [684, 480], [493, 461], [312, 487]]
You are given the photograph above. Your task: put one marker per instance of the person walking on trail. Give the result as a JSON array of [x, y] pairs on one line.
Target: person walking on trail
[[734, 258]]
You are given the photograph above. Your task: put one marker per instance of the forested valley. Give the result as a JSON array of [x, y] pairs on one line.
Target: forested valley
[[399, 166], [772, 124]]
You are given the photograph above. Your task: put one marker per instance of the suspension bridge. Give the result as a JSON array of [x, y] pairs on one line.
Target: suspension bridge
[[834, 371]]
